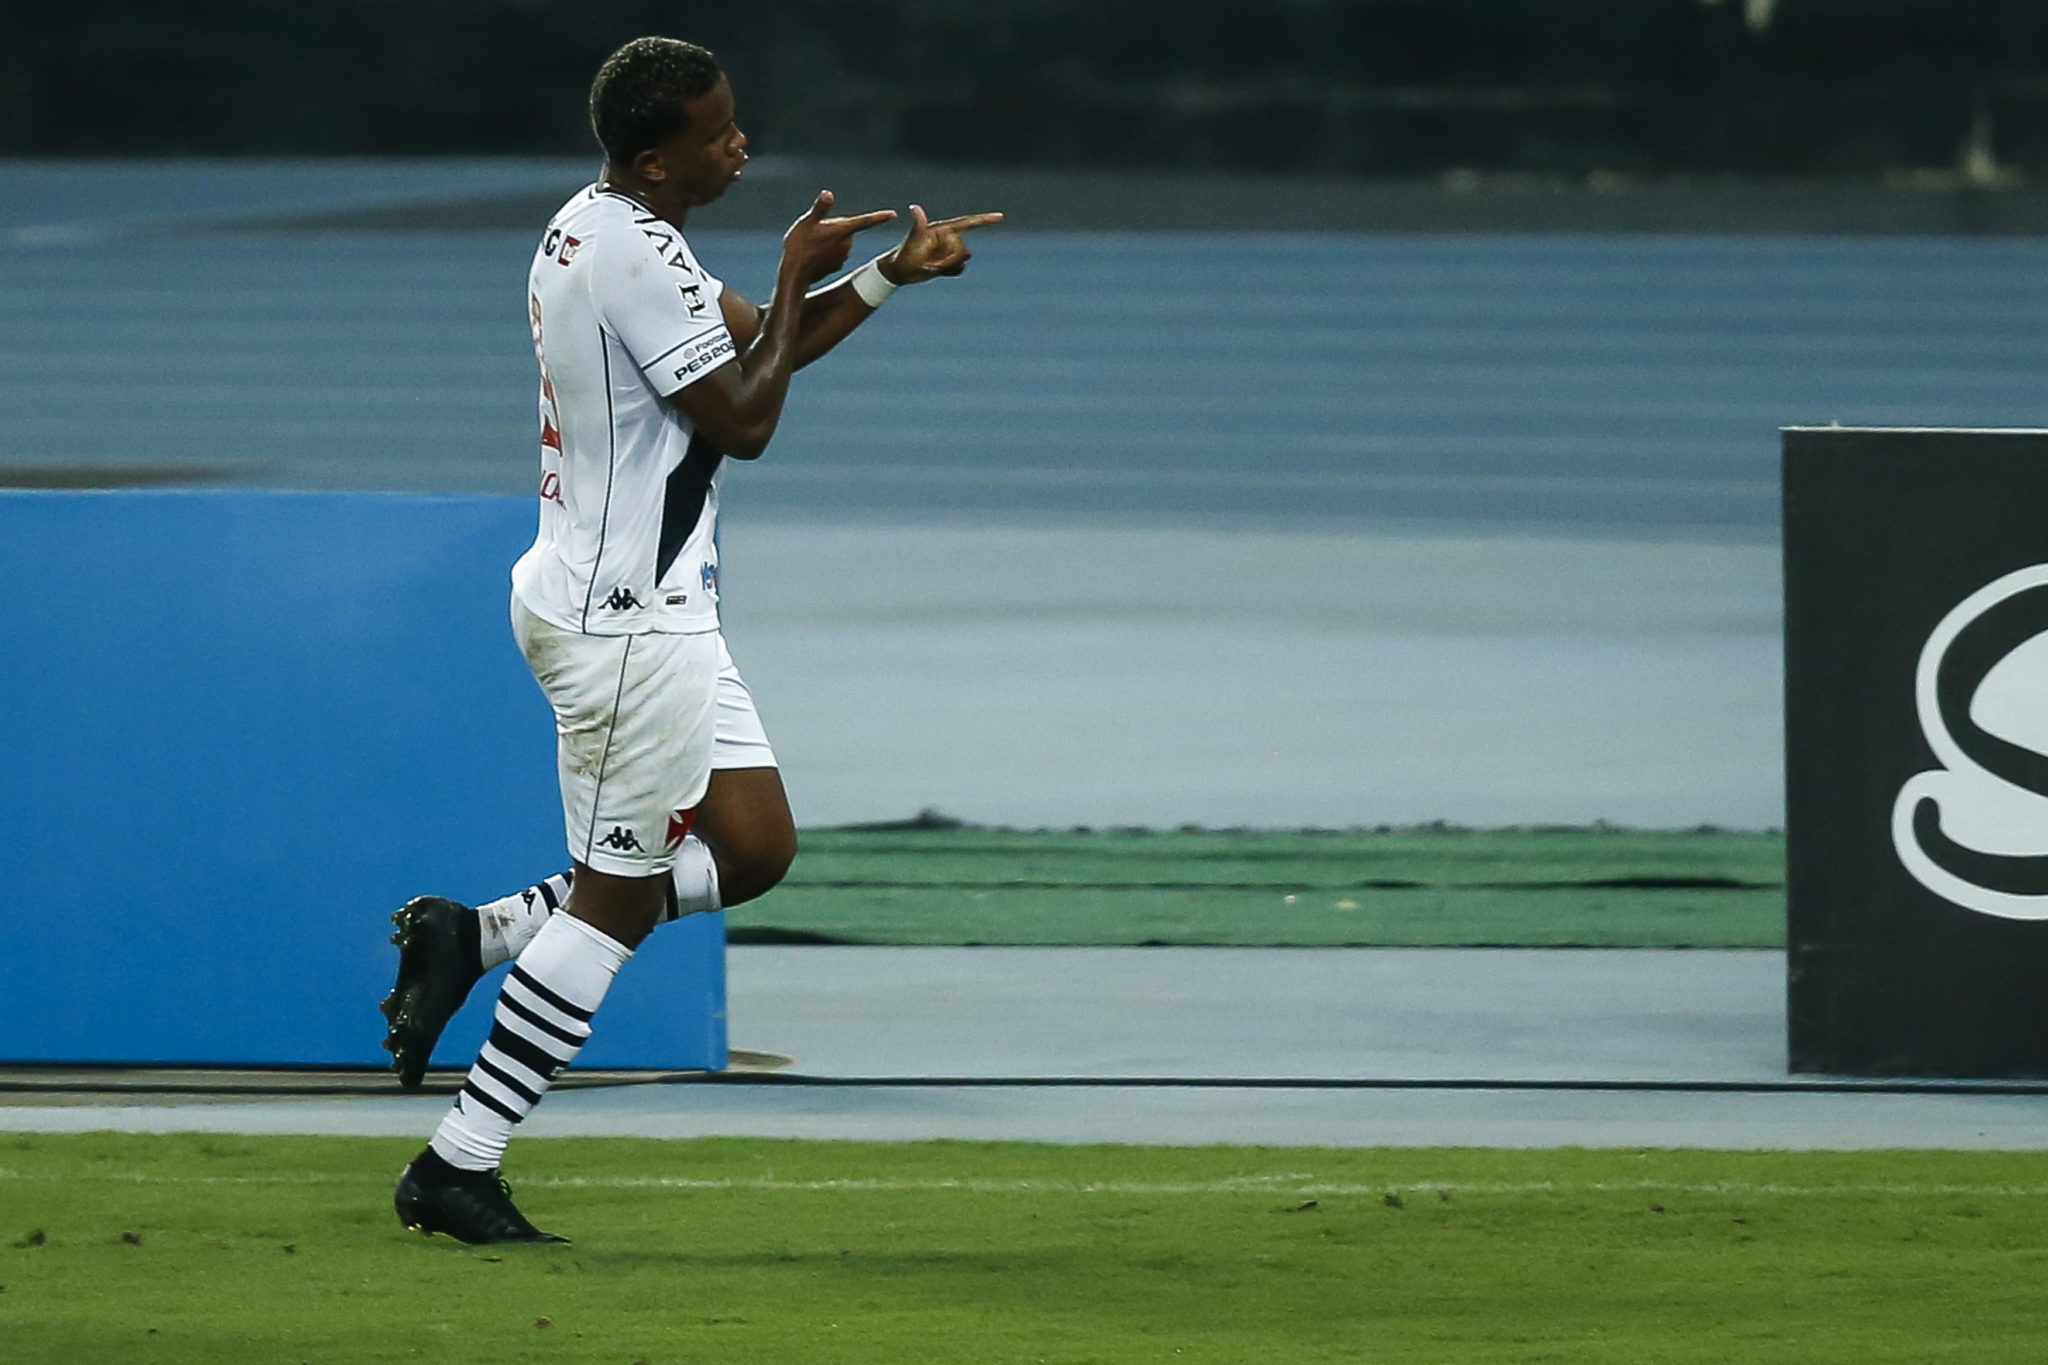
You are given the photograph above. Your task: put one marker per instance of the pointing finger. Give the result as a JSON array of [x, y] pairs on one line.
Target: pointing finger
[[968, 220], [861, 221]]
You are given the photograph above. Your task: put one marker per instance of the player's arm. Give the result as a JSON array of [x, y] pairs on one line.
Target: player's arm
[[830, 314], [738, 405]]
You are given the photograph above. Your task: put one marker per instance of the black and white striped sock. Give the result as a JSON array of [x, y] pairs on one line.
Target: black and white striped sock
[[542, 1021], [507, 925]]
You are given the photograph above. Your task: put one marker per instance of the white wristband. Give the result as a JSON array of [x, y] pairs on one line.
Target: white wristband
[[871, 284]]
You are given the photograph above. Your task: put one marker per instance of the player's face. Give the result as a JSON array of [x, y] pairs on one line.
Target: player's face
[[705, 158]]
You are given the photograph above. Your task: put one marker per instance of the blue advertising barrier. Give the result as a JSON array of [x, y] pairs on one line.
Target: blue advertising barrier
[[240, 730]]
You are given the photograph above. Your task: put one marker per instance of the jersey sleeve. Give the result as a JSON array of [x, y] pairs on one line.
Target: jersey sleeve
[[662, 306]]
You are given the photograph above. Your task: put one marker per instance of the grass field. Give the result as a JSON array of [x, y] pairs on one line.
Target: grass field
[[139, 1248], [1418, 887]]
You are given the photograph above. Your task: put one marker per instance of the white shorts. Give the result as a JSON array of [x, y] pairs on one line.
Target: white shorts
[[739, 740], [634, 726]]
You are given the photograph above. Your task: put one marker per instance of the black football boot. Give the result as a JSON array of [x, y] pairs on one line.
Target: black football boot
[[470, 1206], [440, 956]]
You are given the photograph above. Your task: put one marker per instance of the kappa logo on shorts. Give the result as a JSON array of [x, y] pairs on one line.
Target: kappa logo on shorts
[[622, 839], [622, 599]]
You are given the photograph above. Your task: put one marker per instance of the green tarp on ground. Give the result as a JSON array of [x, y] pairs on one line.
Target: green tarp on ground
[[931, 881]]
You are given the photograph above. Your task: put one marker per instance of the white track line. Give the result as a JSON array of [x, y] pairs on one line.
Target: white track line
[[1286, 1183]]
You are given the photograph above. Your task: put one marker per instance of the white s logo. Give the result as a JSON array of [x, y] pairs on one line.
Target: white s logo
[[1975, 830]]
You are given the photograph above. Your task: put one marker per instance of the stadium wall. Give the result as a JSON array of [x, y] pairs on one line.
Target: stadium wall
[[242, 729], [1572, 88]]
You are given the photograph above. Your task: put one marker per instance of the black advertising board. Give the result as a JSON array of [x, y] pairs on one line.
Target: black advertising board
[[1916, 753]]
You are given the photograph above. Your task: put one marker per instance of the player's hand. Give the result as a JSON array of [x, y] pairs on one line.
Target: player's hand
[[815, 245], [933, 249]]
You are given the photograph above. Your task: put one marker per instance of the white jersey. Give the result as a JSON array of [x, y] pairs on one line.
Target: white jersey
[[623, 317]]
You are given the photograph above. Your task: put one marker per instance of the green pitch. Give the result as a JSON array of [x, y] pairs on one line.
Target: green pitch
[[1430, 886], [230, 1249]]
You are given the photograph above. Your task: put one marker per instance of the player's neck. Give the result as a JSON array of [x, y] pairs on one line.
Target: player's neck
[[648, 195]]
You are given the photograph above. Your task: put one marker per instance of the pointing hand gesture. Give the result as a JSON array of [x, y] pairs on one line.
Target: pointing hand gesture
[[815, 245], [933, 249]]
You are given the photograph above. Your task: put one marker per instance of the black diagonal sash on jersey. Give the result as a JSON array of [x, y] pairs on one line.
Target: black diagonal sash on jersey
[[682, 504]]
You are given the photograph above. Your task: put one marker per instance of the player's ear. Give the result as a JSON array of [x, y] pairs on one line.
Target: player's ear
[[647, 165]]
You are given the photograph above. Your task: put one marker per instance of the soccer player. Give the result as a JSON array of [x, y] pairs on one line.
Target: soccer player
[[652, 373]]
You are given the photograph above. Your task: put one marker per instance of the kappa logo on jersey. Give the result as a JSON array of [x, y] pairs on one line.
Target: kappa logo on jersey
[[622, 599], [1974, 830], [709, 573], [622, 839]]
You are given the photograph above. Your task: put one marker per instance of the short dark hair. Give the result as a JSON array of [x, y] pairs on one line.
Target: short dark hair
[[637, 100]]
